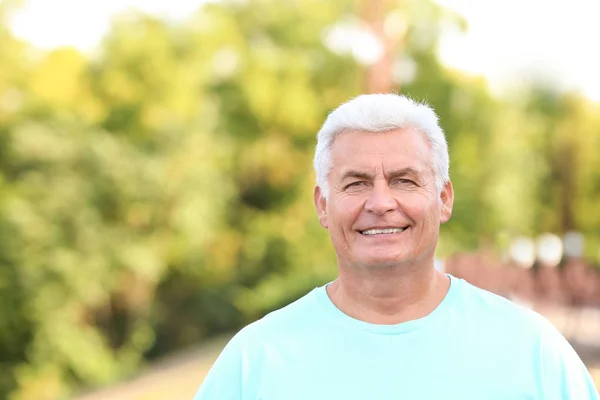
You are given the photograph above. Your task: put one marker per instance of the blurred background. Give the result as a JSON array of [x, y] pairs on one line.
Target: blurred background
[[156, 170]]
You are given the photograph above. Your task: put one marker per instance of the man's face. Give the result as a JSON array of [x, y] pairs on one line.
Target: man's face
[[383, 208]]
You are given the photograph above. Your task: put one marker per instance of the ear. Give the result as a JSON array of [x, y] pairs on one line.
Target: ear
[[321, 206], [447, 198]]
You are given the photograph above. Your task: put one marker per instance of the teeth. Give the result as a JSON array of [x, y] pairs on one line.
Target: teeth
[[380, 231]]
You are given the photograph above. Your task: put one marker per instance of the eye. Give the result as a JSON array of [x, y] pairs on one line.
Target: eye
[[406, 182], [355, 184]]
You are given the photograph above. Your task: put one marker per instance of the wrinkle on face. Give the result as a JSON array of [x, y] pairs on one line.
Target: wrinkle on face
[[422, 175], [382, 179]]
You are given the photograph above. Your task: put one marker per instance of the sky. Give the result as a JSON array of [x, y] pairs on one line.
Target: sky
[[511, 40], [507, 41]]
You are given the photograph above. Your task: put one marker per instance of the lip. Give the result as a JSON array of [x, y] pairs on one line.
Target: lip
[[404, 228]]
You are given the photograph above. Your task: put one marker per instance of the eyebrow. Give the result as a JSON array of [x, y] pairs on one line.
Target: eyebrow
[[408, 171], [356, 174]]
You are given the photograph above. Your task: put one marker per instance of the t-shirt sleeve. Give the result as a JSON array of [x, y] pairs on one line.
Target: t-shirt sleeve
[[564, 376], [224, 380]]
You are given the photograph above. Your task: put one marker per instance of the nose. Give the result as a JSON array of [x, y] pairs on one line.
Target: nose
[[381, 200]]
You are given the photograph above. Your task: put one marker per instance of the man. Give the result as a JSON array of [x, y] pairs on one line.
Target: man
[[391, 326]]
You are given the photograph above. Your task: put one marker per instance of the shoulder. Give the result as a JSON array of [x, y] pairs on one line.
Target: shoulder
[[522, 334], [294, 318], [489, 309]]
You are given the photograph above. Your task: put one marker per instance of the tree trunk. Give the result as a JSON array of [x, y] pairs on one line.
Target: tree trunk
[[379, 75]]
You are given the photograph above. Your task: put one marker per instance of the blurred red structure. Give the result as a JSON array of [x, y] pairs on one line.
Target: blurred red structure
[[574, 283]]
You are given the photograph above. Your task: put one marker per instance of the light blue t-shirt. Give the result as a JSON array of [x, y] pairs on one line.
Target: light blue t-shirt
[[474, 346]]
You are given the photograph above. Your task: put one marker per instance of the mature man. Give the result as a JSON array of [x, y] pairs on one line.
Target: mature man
[[391, 326]]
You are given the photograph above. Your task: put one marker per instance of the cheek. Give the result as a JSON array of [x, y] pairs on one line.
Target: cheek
[[421, 208], [346, 208]]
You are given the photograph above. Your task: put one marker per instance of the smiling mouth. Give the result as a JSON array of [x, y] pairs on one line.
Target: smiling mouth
[[370, 232]]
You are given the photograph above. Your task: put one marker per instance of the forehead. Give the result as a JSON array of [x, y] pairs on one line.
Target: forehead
[[400, 148]]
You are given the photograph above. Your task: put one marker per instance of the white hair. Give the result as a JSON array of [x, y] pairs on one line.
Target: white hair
[[381, 113]]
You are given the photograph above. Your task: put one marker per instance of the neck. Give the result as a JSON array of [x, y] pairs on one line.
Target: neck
[[387, 296]]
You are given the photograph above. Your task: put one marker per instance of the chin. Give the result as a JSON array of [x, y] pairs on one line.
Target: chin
[[384, 263]]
